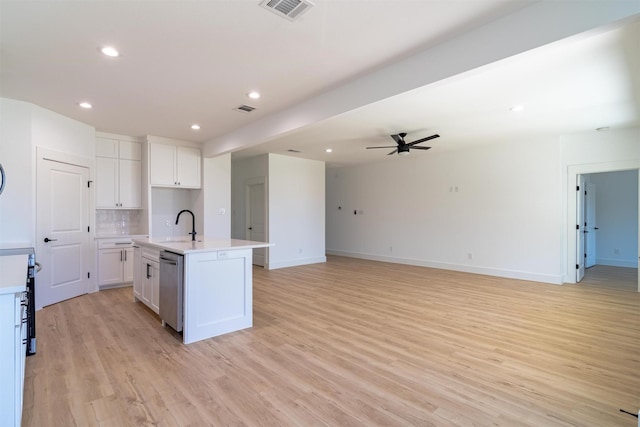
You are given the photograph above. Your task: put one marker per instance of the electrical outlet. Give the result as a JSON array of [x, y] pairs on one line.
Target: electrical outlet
[[167, 223], [616, 251]]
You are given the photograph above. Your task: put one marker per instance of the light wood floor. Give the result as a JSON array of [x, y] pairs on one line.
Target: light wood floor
[[352, 343]]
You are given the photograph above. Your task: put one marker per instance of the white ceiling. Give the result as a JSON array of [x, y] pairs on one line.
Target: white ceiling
[[193, 62], [574, 85]]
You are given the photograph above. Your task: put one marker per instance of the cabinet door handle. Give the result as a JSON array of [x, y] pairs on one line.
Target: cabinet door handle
[[120, 256], [125, 255], [148, 272]]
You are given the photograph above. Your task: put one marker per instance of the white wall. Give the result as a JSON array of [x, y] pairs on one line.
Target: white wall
[[216, 181], [492, 210], [23, 127], [59, 133], [617, 218], [17, 205], [296, 211], [241, 171], [513, 214], [165, 205]]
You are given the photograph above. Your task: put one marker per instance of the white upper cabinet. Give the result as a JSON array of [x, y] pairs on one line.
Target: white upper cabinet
[[118, 174], [174, 166], [107, 183]]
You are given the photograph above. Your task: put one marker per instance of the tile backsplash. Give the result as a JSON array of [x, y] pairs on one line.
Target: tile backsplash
[[118, 222]]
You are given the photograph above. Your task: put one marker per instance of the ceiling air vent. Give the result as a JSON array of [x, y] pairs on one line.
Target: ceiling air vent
[[291, 150], [245, 108], [289, 9]]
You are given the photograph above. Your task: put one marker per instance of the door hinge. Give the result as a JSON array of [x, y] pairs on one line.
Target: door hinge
[[585, 255], [88, 275], [89, 184], [577, 267], [577, 227], [88, 229], [577, 188]]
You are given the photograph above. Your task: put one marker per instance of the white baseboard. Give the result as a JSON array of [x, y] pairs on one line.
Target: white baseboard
[[617, 262], [295, 262], [510, 274]]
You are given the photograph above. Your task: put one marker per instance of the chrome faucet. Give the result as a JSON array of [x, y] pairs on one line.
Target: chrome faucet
[[193, 223]]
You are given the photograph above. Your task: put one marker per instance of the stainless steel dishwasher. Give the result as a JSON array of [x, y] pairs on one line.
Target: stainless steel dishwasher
[[171, 289]]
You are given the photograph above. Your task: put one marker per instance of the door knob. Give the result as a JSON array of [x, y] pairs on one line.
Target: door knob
[[47, 240]]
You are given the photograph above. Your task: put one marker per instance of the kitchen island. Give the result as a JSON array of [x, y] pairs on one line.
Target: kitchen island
[[217, 296]]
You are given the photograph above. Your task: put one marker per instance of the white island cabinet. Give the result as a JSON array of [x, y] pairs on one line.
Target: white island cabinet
[[217, 284]]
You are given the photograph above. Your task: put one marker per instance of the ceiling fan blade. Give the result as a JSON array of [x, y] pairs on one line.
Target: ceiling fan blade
[[423, 140], [420, 148], [386, 146], [393, 152], [398, 139]]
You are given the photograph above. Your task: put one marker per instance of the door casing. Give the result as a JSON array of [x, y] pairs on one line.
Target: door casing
[[47, 155]]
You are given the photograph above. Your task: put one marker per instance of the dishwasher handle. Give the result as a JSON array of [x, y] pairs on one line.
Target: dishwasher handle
[[167, 261]]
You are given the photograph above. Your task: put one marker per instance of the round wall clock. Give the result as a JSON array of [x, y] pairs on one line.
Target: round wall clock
[[2, 178]]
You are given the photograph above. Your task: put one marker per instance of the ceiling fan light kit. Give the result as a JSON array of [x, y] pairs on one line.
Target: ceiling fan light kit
[[403, 148]]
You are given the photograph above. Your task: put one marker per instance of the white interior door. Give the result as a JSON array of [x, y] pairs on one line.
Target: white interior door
[[62, 231], [580, 249], [590, 227], [256, 218]]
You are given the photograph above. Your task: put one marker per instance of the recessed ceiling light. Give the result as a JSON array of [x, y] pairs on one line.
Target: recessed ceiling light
[[329, 150], [603, 129], [85, 105], [253, 94], [195, 127], [109, 51], [516, 108]]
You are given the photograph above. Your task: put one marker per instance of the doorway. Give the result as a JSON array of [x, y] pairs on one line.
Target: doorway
[[614, 236], [62, 227], [256, 216], [619, 239]]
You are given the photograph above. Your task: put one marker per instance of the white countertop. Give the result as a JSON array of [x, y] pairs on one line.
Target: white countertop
[[13, 273], [186, 246]]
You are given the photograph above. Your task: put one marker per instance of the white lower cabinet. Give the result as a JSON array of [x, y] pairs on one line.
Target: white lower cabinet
[[115, 262], [137, 273], [218, 293], [146, 285], [13, 334]]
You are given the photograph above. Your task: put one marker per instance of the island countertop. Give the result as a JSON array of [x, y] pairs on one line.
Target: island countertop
[[186, 246]]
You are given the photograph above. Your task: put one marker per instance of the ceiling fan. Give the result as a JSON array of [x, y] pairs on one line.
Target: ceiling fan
[[403, 147]]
